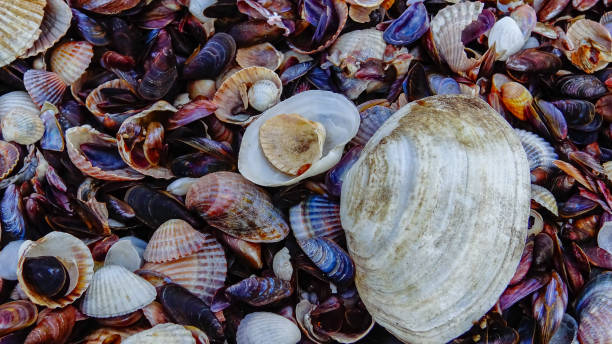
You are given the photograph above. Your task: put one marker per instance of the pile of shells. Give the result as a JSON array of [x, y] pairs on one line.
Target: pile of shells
[[305, 171]]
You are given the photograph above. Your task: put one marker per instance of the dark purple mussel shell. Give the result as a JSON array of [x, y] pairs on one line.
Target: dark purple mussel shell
[[549, 304], [533, 60], [335, 176], [330, 258], [415, 84], [322, 21], [254, 31], [198, 164], [154, 207], [260, 291], [159, 14], [516, 293], [89, 28], [553, 119], [192, 111], [576, 206], [160, 77], [296, 71], [47, 275], [11, 214], [209, 61], [53, 138], [104, 157], [581, 86], [409, 27]]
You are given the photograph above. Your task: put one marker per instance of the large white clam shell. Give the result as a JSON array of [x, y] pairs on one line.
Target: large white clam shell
[[435, 212], [338, 115]]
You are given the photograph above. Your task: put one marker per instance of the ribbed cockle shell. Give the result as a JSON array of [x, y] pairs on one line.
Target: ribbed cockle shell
[[265, 327], [20, 22], [175, 239]]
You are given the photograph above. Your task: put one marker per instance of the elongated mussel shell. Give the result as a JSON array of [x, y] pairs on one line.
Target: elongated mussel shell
[[409, 27], [330, 258], [315, 217], [210, 61], [12, 215], [260, 291], [90, 29], [175, 239], [53, 138], [17, 315], [539, 152], [162, 334], [386, 204], [266, 327], [594, 309], [229, 202], [196, 165], [21, 26], [154, 207], [581, 86], [53, 327], [533, 60]]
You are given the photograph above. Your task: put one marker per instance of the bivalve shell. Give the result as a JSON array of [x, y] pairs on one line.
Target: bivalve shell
[[125, 254], [20, 22], [162, 334], [70, 60], [22, 128], [594, 309], [545, 198], [281, 264], [44, 86], [175, 239], [539, 152], [592, 45], [402, 220], [265, 327], [54, 26], [97, 97], [314, 217], [18, 101], [507, 37], [262, 55], [351, 44], [9, 157]]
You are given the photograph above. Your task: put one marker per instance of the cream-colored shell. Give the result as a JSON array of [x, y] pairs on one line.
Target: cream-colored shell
[[162, 334], [18, 101], [435, 214], [174, 239], [20, 22], [54, 26], [607, 166], [281, 264], [592, 34], [545, 198], [539, 152], [265, 328], [22, 128], [359, 44], [70, 60], [338, 115], [125, 254], [262, 55], [507, 37]]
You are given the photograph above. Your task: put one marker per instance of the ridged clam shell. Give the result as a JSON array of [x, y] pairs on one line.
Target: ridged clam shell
[[352, 44], [229, 202], [594, 309], [44, 86], [17, 315], [20, 22], [446, 28], [162, 334], [281, 264], [18, 101], [593, 35], [265, 327], [507, 37], [315, 217], [539, 152], [262, 55], [201, 273], [124, 253], [9, 157], [371, 119], [330, 258], [545, 198], [338, 115], [418, 275], [54, 26], [22, 128], [175, 239], [116, 291], [69, 249], [76, 136], [231, 94], [70, 60]]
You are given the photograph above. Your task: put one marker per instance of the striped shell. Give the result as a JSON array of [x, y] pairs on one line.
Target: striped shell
[[351, 44], [229, 202], [371, 119], [76, 136], [175, 239], [18, 101], [69, 249], [114, 335], [22, 128], [260, 291], [539, 152], [54, 26], [17, 315], [201, 273], [330, 258], [592, 45], [70, 60], [44, 86], [517, 99], [314, 217], [116, 291], [9, 157], [20, 22], [262, 55], [162, 334], [545, 198], [594, 309], [265, 327]]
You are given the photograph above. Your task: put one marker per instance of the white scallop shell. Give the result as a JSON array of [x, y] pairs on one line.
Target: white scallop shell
[[539, 152], [281, 264], [265, 328], [507, 37], [167, 333], [22, 128], [54, 26], [125, 254], [20, 22], [17, 101], [338, 115], [545, 198]]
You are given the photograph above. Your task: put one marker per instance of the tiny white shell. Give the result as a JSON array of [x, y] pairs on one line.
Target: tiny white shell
[[265, 328], [281, 264], [162, 334], [263, 95], [507, 37], [180, 186]]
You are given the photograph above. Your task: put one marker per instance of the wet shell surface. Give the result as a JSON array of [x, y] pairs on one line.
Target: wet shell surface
[[44, 86], [162, 334], [175, 239], [281, 264], [22, 128], [116, 291], [17, 315], [54, 26], [265, 327], [9, 157], [545, 198], [17, 101], [539, 152], [20, 22], [335, 112], [67, 248], [400, 230], [70, 60]]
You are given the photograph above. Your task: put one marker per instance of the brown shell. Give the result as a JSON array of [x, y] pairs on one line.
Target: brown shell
[[9, 157], [174, 239], [262, 55], [592, 45], [20, 22]]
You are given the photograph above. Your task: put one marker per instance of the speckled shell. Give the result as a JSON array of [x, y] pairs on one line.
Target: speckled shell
[[22, 128], [594, 309], [446, 28], [116, 291], [507, 37], [584, 35], [20, 22], [162, 334], [54, 26], [265, 327], [9, 157], [428, 266], [262, 55], [229, 202], [539, 152], [352, 44], [76, 136], [231, 94], [173, 240], [545, 198], [44, 86], [201, 273], [69, 249], [70, 60], [338, 115]]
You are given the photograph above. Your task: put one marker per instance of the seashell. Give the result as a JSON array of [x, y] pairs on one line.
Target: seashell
[[106, 6], [21, 26], [17, 101], [581, 87], [539, 152], [11, 214], [90, 29], [122, 320], [592, 45], [196, 8], [260, 291], [371, 119], [229, 202], [549, 305], [526, 18], [199, 164], [533, 60], [330, 258], [212, 59], [409, 26], [53, 138], [446, 28], [9, 157], [317, 106], [315, 217], [551, 9], [201, 273], [281, 264], [507, 38], [22, 128], [95, 154], [235, 96], [54, 26], [175, 239], [516, 99], [9, 256], [98, 98], [261, 55], [351, 45], [16, 315], [123, 253], [47, 276], [70, 60], [108, 335], [116, 291], [53, 327], [162, 334], [44, 86], [153, 207], [74, 255], [249, 252], [567, 331], [553, 117], [604, 237], [160, 76], [545, 198], [314, 38], [416, 132], [266, 327], [335, 177], [594, 310], [440, 84], [202, 87], [180, 186], [154, 313]]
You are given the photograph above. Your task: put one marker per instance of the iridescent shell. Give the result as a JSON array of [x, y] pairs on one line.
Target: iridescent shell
[[9, 255], [229, 202], [107, 6], [53, 326], [604, 237], [20, 22], [545, 198], [539, 152], [70, 250], [262, 55], [330, 258], [260, 291], [592, 45], [162, 334], [53, 138], [314, 217], [371, 119], [175, 239], [594, 309], [54, 26], [96, 97], [17, 315], [302, 43], [9, 157], [265, 327], [116, 291], [22, 128], [70, 60], [44, 86]]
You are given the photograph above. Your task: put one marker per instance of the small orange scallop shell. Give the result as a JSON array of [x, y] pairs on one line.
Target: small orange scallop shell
[[76, 136], [516, 99], [43, 86], [174, 239], [67, 248], [262, 55], [22, 128], [20, 22], [54, 26], [9, 157], [70, 60]]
